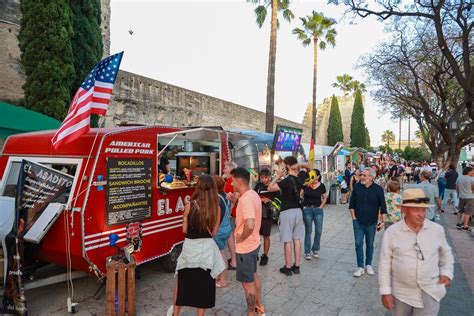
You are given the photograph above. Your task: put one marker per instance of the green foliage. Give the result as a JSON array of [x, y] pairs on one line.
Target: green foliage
[[343, 82], [398, 152], [367, 138], [86, 42], [358, 128], [46, 55], [386, 149], [388, 137], [416, 154], [87, 39], [356, 85], [261, 10], [319, 27], [335, 133]]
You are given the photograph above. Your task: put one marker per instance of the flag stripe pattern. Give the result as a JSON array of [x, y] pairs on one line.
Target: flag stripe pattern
[[92, 97]]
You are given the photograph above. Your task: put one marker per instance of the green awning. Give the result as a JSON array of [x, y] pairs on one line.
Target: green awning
[[15, 120]]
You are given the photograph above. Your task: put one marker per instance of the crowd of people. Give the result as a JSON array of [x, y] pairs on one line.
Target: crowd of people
[[226, 217]]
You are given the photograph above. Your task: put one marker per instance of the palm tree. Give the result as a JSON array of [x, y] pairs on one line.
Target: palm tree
[[357, 85], [261, 14], [387, 137], [344, 83], [319, 30], [419, 135]]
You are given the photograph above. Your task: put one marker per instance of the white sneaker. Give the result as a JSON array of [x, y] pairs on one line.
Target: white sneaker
[[170, 311], [315, 254], [359, 272], [369, 270], [307, 256]]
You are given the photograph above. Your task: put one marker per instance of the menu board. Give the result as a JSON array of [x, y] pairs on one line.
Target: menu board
[[128, 190]]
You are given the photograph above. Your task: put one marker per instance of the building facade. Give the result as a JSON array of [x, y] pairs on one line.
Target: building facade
[[346, 104]]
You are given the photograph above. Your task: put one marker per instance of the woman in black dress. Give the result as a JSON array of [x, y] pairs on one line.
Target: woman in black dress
[[200, 261]]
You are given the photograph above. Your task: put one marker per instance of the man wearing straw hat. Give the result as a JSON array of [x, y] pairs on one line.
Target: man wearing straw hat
[[416, 262]]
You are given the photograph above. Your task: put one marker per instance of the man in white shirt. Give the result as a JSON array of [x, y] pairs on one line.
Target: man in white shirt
[[416, 262]]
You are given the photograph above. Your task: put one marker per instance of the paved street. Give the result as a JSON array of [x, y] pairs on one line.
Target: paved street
[[324, 287]]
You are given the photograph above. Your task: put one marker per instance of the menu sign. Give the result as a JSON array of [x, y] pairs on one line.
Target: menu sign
[[128, 190], [37, 186]]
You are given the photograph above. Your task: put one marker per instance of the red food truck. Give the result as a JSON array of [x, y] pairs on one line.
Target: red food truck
[[117, 188]]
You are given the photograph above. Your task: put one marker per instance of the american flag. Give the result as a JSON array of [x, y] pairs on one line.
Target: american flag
[[92, 97]]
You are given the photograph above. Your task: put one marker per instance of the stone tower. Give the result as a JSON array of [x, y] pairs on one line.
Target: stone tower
[[12, 75], [346, 104]]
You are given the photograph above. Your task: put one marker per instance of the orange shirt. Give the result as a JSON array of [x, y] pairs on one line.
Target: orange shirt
[[249, 206]]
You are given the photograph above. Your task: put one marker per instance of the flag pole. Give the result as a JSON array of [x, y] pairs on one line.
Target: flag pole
[[87, 163]]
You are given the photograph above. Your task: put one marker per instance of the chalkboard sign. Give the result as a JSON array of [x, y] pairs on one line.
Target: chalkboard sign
[[128, 190]]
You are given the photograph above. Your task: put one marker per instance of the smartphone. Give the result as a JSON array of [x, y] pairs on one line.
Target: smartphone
[[379, 226]]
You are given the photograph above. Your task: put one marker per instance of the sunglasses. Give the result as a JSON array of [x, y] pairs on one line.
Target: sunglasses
[[417, 200], [419, 254]]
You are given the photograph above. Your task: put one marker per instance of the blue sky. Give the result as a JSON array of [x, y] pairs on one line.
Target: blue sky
[[216, 48]]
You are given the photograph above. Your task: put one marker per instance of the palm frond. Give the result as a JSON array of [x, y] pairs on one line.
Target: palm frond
[[300, 34], [261, 14], [288, 15], [307, 42], [283, 4], [322, 45]]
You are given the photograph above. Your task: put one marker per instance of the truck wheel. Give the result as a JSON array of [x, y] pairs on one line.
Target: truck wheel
[[169, 262]]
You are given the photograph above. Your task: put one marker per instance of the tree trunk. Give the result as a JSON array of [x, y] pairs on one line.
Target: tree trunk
[[409, 137], [400, 133], [270, 108], [315, 75], [438, 157]]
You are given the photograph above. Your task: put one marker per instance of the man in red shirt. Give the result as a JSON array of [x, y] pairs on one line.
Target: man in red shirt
[[232, 197]]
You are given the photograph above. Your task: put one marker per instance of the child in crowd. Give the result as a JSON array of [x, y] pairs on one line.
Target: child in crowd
[[266, 197], [393, 200]]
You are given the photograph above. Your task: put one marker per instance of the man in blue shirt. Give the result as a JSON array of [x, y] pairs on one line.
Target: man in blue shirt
[[431, 192], [366, 206]]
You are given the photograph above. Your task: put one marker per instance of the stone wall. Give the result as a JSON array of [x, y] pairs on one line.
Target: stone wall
[[105, 25], [141, 100], [137, 99], [12, 76], [346, 104]]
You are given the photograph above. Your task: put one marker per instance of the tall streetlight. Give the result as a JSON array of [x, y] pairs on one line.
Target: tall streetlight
[[453, 127]]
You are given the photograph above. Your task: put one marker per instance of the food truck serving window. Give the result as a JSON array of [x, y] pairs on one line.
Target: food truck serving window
[[12, 172], [193, 152]]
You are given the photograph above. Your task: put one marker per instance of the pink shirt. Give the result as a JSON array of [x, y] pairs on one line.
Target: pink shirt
[[249, 206]]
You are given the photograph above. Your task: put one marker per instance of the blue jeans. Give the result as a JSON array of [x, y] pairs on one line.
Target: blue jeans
[[441, 189], [361, 231], [447, 195], [310, 215]]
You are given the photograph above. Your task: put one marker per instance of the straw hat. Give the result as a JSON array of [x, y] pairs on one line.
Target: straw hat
[[415, 198]]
